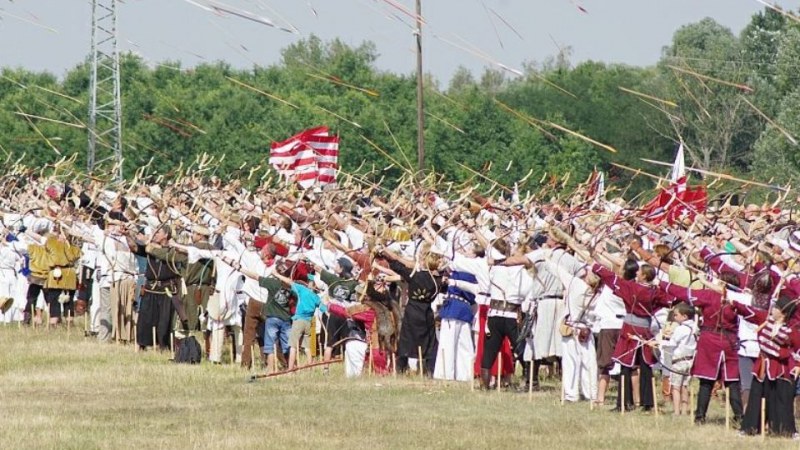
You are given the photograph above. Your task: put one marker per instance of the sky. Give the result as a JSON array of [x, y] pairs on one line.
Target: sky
[[55, 35]]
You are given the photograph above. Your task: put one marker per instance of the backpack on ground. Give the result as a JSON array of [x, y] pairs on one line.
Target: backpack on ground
[[189, 351]]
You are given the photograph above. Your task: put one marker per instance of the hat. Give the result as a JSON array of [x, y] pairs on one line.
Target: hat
[[155, 191], [557, 235], [345, 264], [201, 230], [235, 218]]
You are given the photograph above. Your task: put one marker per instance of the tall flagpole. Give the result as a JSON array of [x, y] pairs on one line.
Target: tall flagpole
[[420, 103]]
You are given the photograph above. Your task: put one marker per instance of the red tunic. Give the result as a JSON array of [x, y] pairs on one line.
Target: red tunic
[[779, 345], [366, 316], [640, 303], [746, 279], [716, 264], [717, 347]]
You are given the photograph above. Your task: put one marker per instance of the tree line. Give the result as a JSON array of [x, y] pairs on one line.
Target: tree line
[[733, 100]]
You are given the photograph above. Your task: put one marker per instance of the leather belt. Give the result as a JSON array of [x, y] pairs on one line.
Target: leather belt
[[504, 306], [717, 330], [161, 287], [636, 321]]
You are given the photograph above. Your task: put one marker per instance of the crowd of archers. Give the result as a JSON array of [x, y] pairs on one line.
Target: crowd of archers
[[455, 287]]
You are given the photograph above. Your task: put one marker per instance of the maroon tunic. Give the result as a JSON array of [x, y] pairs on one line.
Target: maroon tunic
[[717, 347], [716, 264], [791, 286], [746, 279], [779, 345], [791, 289], [640, 303]]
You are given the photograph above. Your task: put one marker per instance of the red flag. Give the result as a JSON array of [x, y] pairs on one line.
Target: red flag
[[676, 202]]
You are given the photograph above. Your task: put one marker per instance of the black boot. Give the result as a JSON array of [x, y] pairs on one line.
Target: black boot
[[627, 393], [485, 379], [525, 385], [703, 399], [735, 388], [526, 377], [536, 365]]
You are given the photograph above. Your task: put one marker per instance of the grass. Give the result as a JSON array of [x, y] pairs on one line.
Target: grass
[[60, 390]]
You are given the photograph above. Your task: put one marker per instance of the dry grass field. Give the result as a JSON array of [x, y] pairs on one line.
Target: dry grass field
[[61, 390]]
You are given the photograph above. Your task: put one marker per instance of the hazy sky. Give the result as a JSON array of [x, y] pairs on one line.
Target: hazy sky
[[625, 31]]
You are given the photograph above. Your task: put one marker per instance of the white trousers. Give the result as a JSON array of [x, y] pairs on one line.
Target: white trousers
[[95, 307], [102, 324], [354, 354], [456, 355], [579, 366], [218, 341]]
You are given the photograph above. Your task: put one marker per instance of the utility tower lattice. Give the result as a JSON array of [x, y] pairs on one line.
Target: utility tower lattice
[[105, 105]]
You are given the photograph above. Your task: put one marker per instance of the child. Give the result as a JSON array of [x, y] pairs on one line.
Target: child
[[307, 303], [682, 343], [775, 371]]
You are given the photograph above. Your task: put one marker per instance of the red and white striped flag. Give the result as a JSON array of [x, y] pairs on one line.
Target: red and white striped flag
[[309, 157]]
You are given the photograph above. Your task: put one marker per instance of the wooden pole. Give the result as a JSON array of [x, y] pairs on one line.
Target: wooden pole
[[727, 408], [530, 380], [692, 406], [622, 393], [344, 358], [655, 395], [472, 378], [33, 316], [171, 342], [394, 366], [420, 93], [763, 418], [419, 361], [85, 322], [155, 345]]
